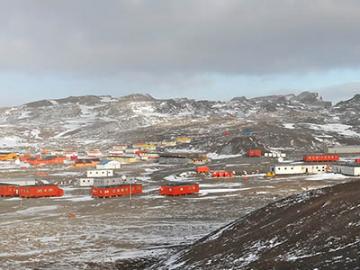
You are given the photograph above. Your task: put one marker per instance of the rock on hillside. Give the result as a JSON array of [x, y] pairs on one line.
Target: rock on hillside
[[318, 229], [288, 122]]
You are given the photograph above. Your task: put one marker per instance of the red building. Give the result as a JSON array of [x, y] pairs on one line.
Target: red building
[[179, 189], [202, 169], [222, 174], [116, 191], [8, 191], [40, 191], [254, 153], [321, 158], [51, 160]]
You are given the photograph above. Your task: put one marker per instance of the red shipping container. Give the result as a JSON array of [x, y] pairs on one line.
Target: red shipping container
[[40, 191], [203, 169], [46, 161], [321, 158], [116, 191], [254, 153], [8, 191], [179, 189], [357, 160], [222, 174]]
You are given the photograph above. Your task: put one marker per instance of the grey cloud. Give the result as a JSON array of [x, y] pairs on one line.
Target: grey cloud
[[340, 92], [253, 37]]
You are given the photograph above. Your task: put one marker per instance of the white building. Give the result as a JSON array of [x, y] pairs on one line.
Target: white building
[[109, 182], [109, 165], [275, 155], [346, 149], [19, 182], [99, 173], [132, 150], [301, 168], [116, 153], [86, 182], [351, 169]]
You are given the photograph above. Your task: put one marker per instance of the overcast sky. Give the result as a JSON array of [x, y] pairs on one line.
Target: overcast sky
[[203, 49]]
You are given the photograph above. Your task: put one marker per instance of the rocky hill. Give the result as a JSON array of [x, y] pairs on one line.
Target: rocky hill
[[318, 229], [301, 122]]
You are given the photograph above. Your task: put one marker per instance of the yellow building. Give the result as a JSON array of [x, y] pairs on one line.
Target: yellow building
[[85, 164], [145, 146], [8, 156], [168, 143], [183, 140]]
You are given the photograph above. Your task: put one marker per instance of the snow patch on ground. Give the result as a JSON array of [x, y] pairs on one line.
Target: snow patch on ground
[[37, 210], [327, 176], [215, 156], [67, 174], [336, 128], [11, 141], [184, 150], [289, 125], [175, 178], [108, 99], [79, 199], [221, 190]]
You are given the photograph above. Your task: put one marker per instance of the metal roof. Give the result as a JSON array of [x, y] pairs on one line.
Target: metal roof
[[348, 164], [300, 164]]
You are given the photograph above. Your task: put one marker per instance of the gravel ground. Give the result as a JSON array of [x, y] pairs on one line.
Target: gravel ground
[[75, 230]]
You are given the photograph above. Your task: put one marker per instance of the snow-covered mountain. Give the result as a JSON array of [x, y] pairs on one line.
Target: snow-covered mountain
[[301, 122]]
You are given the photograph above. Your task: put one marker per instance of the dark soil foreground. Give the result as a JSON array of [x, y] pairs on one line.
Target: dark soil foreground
[[319, 229]]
